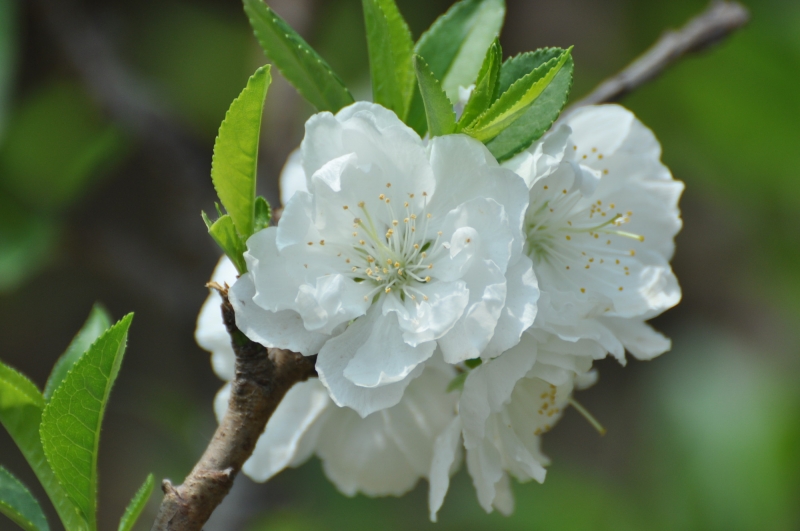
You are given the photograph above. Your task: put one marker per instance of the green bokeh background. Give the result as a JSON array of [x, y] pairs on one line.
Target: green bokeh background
[[99, 201]]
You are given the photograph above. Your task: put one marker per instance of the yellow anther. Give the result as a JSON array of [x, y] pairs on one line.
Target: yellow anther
[[583, 290], [405, 220], [424, 297], [413, 216], [388, 185], [395, 222], [396, 265], [416, 246], [311, 243], [388, 289], [382, 197], [568, 237], [405, 204], [427, 279], [322, 242], [345, 207], [362, 242], [361, 204]]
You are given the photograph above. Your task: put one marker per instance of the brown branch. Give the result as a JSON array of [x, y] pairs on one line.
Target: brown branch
[[263, 376], [703, 31]]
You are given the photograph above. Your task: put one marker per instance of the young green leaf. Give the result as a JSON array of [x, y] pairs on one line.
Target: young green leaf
[[522, 64], [136, 506], [17, 503], [235, 159], [390, 50], [263, 214], [297, 61], [537, 119], [454, 48], [513, 103], [224, 233], [439, 110], [486, 86], [96, 324], [21, 406], [70, 428]]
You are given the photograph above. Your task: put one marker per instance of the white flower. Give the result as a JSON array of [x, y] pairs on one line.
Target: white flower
[[396, 247], [385, 453], [600, 227], [506, 404]]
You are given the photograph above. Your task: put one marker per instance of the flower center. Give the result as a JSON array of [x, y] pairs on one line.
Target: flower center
[[566, 232], [397, 255]]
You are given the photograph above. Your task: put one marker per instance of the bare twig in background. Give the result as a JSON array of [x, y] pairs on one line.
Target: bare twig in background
[[263, 376], [705, 30]]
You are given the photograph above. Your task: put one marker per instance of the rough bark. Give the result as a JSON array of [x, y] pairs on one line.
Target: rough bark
[[263, 376]]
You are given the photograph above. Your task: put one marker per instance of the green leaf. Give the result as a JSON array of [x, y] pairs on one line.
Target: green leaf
[[19, 505], [513, 103], [95, 325], [297, 61], [438, 109], [537, 119], [224, 233], [390, 50], [136, 506], [454, 48], [70, 428], [235, 160], [21, 406], [486, 86], [522, 64], [263, 214]]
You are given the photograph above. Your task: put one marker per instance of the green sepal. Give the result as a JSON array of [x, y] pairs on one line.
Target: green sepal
[[390, 51], [454, 47], [438, 109], [298, 62], [136, 505], [224, 233], [263, 214], [486, 88], [97, 323], [235, 161], [18, 504], [475, 362], [21, 406], [457, 383], [537, 119], [71, 420], [513, 103]]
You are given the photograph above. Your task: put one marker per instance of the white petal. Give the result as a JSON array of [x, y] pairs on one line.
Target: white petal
[[335, 356], [436, 309], [490, 385], [280, 444], [384, 358], [466, 170], [333, 300], [487, 295], [485, 467], [282, 329], [211, 333], [520, 308], [221, 401], [446, 451], [543, 157], [276, 288], [638, 337], [504, 496], [424, 412], [359, 455], [293, 178]]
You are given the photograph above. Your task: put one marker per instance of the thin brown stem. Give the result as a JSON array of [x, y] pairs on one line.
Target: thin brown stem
[[706, 29], [263, 376]]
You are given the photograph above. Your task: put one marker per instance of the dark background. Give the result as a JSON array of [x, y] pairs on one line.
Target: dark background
[[108, 112]]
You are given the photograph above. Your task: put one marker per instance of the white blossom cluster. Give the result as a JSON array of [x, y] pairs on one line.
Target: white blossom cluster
[[453, 303]]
